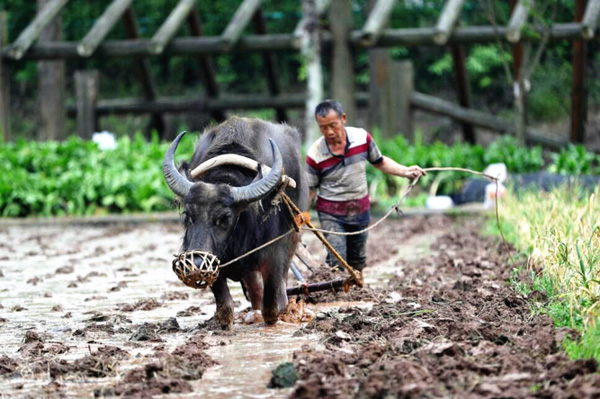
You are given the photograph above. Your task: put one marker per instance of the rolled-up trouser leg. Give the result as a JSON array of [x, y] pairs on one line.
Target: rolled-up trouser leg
[[356, 247], [338, 242]]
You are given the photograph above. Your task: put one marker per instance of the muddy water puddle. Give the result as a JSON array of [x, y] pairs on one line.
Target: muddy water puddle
[[245, 365], [89, 287]]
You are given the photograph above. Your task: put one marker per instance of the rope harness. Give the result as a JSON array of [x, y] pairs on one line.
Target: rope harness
[[186, 269]]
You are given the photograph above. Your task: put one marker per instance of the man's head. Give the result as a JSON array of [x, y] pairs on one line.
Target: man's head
[[331, 120]]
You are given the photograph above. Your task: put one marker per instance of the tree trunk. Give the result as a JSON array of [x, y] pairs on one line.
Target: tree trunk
[[311, 50], [520, 103], [342, 87], [86, 88]]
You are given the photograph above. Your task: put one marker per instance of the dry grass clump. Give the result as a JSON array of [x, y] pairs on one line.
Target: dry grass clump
[[560, 231]]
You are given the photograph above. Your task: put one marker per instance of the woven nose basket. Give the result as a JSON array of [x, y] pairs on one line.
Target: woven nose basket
[[184, 266]]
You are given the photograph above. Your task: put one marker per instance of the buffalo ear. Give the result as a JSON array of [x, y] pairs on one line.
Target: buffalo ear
[[184, 169], [259, 173]]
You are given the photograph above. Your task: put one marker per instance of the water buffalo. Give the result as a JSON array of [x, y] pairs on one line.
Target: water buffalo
[[228, 209]]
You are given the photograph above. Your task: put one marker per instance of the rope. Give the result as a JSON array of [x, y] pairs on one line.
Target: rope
[[355, 276], [258, 248], [395, 206]]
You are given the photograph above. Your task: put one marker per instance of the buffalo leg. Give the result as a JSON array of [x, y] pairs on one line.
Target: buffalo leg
[[275, 296], [253, 288], [224, 313]]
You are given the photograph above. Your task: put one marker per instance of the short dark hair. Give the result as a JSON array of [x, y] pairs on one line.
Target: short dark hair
[[324, 107]]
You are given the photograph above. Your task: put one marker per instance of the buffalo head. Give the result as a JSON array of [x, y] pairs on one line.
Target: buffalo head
[[212, 209]]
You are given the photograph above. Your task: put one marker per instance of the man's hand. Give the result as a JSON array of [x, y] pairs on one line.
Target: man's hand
[[392, 167], [412, 172]]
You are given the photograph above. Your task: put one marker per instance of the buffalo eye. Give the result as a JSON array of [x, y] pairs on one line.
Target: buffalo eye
[[223, 220]]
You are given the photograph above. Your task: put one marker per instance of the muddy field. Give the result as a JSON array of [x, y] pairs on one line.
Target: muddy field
[[96, 311]]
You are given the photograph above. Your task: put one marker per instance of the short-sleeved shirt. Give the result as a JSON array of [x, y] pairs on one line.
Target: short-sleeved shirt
[[342, 179]]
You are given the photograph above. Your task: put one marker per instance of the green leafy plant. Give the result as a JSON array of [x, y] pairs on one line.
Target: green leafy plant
[[575, 160], [481, 62], [76, 178]]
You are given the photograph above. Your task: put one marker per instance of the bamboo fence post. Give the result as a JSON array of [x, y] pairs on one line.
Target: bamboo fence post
[[390, 92], [447, 21], [464, 93], [378, 19], [380, 108], [518, 52], [238, 23], [590, 19], [102, 27], [403, 85], [518, 18], [44, 16], [169, 28]]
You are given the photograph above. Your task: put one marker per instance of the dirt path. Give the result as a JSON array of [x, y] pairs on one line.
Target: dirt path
[[91, 310], [447, 326]]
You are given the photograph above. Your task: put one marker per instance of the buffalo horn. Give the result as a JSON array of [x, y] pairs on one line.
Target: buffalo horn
[[264, 186], [238, 160], [178, 183]]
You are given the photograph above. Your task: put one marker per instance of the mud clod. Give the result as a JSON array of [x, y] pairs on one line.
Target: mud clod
[[142, 304], [146, 332], [170, 325], [452, 328]]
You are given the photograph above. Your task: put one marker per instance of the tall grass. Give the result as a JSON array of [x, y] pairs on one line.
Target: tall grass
[[560, 231]]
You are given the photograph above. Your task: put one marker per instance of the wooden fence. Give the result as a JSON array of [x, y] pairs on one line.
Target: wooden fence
[[394, 110]]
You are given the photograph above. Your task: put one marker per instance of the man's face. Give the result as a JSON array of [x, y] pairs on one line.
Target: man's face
[[332, 125]]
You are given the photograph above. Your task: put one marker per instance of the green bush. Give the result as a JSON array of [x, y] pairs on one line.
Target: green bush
[[518, 159], [74, 177]]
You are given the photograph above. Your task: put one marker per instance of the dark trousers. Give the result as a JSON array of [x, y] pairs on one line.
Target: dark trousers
[[353, 248]]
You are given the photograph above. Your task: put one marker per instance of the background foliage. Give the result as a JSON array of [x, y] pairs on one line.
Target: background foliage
[[74, 177], [243, 73]]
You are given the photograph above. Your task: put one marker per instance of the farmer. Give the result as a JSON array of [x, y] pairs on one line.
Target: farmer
[[336, 168]]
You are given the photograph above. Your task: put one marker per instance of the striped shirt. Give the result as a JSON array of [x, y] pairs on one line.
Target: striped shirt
[[342, 179]]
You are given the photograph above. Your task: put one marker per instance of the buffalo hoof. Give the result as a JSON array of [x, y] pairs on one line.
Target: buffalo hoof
[[252, 317], [224, 316], [271, 317]]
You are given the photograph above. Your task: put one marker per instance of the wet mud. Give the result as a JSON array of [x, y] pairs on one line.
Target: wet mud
[[95, 311], [446, 326]]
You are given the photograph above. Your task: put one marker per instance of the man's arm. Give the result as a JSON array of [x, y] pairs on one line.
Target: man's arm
[[391, 167]]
